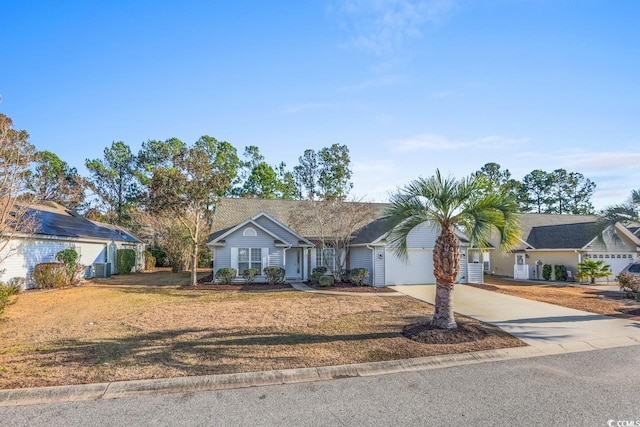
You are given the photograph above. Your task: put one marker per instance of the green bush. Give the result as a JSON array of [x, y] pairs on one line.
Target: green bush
[[159, 254], [7, 295], [249, 275], [320, 270], [546, 272], [274, 275], [315, 278], [226, 275], [326, 281], [345, 275], [50, 275], [638, 296], [68, 257], [560, 272], [149, 261], [204, 257], [125, 260], [358, 276]]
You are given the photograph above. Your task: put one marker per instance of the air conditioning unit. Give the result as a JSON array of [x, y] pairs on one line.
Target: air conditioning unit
[[102, 270]]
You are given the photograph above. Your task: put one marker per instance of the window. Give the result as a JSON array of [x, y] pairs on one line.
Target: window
[[485, 265], [249, 232], [326, 257], [249, 258]]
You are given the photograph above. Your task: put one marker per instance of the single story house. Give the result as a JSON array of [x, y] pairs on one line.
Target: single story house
[[565, 240], [258, 233], [55, 229]]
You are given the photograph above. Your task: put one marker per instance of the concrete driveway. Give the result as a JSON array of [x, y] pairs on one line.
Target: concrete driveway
[[535, 323]]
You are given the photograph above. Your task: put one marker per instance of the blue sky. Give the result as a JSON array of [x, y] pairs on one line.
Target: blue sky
[[408, 86]]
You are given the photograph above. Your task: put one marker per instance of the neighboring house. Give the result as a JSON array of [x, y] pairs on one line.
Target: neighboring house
[[565, 240], [259, 233], [56, 229]]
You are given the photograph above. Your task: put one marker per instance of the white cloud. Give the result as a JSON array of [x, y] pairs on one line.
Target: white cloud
[[431, 142], [383, 27]]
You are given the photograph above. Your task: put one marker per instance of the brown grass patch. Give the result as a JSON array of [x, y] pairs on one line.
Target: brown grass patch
[[121, 330], [607, 303]]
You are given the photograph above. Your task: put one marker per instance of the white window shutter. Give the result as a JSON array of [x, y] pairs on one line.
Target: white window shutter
[[265, 258], [313, 258], [234, 258]]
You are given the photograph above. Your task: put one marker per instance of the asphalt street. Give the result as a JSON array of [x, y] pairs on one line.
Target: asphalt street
[[594, 388]]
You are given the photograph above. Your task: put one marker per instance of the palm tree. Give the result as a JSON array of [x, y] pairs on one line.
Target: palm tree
[[592, 270], [450, 204], [626, 214]]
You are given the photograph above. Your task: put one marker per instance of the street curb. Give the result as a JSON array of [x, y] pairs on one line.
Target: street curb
[[114, 390]]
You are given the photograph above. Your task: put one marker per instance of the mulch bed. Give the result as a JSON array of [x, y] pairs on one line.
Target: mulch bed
[[466, 332], [349, 287], [238, 287]]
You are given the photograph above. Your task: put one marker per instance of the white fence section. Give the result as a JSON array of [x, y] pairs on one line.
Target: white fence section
[[475, 273], [522, 271]]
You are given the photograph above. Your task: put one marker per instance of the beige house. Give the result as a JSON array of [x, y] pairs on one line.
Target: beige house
[[565, 240]]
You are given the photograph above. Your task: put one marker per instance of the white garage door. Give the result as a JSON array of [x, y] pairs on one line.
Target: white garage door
[[617, 261], [418, 269]]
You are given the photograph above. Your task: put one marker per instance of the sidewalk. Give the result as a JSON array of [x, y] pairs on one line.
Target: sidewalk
[[533, 322]]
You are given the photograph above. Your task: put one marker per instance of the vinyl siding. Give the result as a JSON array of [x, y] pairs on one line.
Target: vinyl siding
[[362, 257], [423, 236], [236, 240], [277, 230], [378, 276]]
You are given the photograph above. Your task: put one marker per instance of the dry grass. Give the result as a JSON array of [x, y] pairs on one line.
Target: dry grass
[[121, 329], [608, 303]]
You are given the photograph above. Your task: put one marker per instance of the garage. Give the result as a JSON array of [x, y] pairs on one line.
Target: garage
[[616, 261], [418, 268]]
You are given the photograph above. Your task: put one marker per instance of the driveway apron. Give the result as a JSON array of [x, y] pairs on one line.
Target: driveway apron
[[534, 322]]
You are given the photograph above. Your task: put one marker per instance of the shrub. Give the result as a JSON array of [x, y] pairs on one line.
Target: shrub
[[78, 274], [320, 270], [638, 296], [17, 284], [326, 281], [274, 275], [226, 275], [546, 272], [629, 283], [7, 295], [345, 275], [204, 257], [149, 261], [560, 271], [50, 275], [315, 278], [249, 275], [358, 276], [125, 260], [160, 255], [68, 257]]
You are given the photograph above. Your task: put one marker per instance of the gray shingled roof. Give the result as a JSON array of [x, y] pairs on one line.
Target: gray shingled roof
[[231, 212], [370, 232], [562, 236]]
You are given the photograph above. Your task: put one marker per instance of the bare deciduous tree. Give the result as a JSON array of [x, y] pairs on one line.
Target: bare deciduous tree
[[16, 154], [336, 223]]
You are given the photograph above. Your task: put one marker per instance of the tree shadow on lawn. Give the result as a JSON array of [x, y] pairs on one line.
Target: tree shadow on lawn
[[166, 348]]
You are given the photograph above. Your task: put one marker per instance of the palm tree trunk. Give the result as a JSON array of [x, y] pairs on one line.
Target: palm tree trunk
[[446, 264]]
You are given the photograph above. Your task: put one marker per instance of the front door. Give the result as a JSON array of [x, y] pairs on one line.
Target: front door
[[293, 264]]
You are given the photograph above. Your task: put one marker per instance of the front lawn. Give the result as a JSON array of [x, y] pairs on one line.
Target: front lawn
[[121, 329]]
